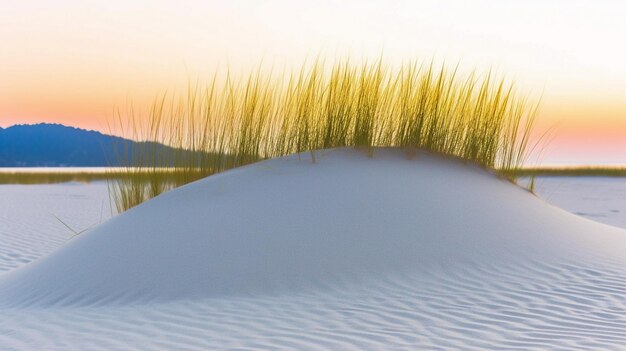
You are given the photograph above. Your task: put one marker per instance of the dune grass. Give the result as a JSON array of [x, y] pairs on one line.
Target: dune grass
[[231, 121]]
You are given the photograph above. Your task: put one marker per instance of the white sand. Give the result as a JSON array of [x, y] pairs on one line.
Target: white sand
[[349, 253], [601, 199], [28, 226]]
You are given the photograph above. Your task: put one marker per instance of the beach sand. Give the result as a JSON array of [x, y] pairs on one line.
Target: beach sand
[[350, 252]]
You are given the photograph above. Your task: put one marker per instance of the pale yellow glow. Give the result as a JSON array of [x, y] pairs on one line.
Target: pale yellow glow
[[73, 61]]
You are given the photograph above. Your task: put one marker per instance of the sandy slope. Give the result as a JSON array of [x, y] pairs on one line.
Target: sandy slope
[[349, 253]]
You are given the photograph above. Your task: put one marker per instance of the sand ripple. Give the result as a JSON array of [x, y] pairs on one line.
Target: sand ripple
[[234, 262], [534, 306], [28, 227]]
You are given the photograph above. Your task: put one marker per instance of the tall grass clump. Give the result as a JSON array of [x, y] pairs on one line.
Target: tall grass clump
[[231, 121]]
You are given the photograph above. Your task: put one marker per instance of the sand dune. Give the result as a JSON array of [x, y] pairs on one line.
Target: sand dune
[[350, 252]]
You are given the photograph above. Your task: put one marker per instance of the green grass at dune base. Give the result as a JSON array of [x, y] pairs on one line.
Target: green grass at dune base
[[231, 122], [27, 177], [579, 171], [170, 177]]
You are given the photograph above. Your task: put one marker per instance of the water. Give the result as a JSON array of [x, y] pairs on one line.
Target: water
[[44, 170], [37, 219]]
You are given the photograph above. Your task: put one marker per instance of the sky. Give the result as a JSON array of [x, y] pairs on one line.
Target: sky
[[74, 62]]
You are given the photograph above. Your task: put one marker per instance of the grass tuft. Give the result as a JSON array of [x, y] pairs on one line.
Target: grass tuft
[[232, 122]]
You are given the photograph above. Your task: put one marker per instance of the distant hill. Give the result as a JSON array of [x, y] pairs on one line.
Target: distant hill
[[55, 145]]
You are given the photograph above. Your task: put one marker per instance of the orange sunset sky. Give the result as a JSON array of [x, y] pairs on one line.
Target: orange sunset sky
[[73, 62]]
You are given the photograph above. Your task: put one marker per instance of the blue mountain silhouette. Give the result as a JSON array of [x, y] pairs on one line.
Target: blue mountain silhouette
[[56, 145]]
